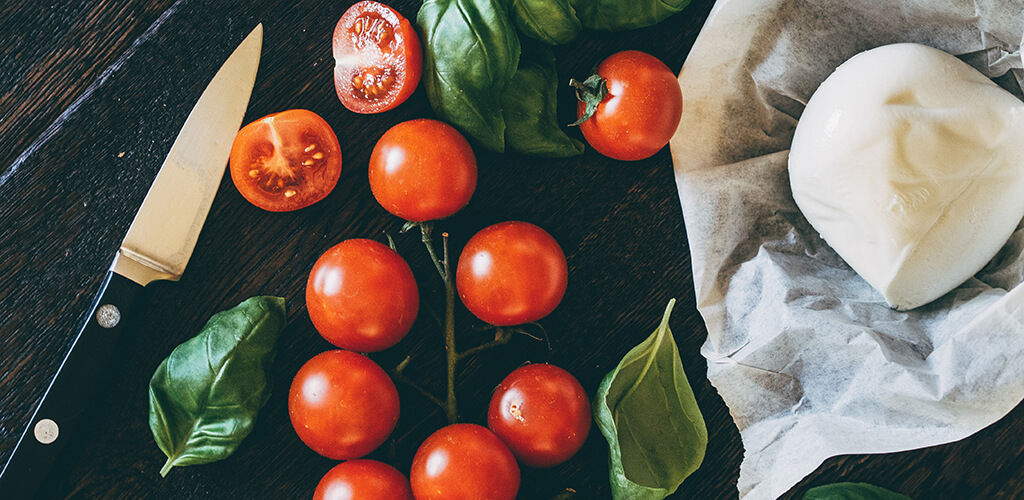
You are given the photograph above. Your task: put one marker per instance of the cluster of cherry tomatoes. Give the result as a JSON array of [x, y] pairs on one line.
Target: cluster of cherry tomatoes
[[362, 297]]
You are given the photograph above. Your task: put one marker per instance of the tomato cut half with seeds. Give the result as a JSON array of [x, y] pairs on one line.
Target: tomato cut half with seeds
[[286, 161], [378, 58]]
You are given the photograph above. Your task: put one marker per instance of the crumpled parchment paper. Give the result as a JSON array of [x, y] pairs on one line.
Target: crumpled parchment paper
[[809, 358]]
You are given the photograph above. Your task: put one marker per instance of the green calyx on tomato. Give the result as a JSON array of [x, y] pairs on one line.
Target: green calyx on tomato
[[590, 92]]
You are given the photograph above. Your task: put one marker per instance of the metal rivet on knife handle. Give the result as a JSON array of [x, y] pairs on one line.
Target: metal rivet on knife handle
[[46, 431], [108, 316]]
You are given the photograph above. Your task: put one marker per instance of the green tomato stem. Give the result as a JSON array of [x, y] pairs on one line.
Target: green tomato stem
[[501, 338], [450, 404]]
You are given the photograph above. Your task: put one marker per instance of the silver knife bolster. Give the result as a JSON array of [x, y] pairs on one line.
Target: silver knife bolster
[[139, 269]]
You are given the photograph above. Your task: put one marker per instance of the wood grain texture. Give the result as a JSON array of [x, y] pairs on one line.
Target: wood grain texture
[[92, 93]]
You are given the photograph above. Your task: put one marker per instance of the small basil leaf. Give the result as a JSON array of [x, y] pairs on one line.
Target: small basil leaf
[[470, 52], [852, 491], [618, 15], [553, 22], [530, 107], [647, 412], [204, 397]]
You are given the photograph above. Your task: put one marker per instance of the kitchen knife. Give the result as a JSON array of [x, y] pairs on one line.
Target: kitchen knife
[[157, 247]]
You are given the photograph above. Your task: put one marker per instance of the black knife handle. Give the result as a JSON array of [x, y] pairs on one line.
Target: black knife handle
[[70, 391]]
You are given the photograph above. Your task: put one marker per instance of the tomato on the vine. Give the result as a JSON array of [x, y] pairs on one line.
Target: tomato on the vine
[[286, 161], [464, 462], [542, 414], [342, 404], [363, 479], [378, 58], [640, 111], [362, 296], [422, 170], [511, 273]]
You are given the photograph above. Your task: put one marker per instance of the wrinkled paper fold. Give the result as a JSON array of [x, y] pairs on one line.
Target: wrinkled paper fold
[[809, 358]]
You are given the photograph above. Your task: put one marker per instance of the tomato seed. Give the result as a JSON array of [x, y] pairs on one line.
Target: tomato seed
[[318, 155], [310, 147], [308, 162], [289, 193], [254, 173]]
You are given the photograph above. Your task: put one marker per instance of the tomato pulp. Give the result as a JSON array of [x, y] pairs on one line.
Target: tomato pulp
[[378, 58], [286, 161]]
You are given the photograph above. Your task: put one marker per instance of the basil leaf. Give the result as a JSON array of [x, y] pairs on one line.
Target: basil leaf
[[618, 15], [852, 491], [553, 22], [646, 410], [530, 105], [470, 52], [204, 397]]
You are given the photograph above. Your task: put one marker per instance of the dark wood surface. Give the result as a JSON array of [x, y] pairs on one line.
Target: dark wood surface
[[92, 93]]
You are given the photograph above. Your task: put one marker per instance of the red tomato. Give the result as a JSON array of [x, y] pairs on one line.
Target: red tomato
[[542, 414], [363, 479], [422, 170], [641, 111], [362, 296], [511, 273], [464, 462], [342, 405], [377, 58], [286, 161]]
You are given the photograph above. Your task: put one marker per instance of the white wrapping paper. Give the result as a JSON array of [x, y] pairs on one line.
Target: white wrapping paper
[[809, 358]]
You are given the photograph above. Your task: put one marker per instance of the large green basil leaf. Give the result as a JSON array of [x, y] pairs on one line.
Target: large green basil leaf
[[470, 51], [618, 15], [852, 491], [553, 22], [204, 397], [530, 105], [646, 410]]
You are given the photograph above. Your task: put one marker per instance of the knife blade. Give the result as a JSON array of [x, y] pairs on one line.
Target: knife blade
[[157, 246]]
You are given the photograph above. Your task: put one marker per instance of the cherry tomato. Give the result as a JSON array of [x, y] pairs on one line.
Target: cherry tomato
[[363, 480], [286, 161], [511, 273], [542, 414], [464, 462], [342, 405], [378, 58], [362, 296], [422, 170], [641, 111]]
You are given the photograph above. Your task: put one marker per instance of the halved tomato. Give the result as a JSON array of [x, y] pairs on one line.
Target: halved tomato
[[378, 58], [286, 161]]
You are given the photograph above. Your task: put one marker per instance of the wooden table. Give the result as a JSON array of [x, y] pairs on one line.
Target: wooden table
[[92, 94]]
